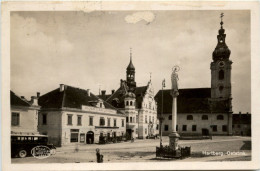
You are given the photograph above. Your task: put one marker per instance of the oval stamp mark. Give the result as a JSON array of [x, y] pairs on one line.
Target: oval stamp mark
[[41, 152]]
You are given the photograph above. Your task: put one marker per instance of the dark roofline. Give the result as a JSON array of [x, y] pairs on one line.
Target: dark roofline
[[25, 101], [63, 97]]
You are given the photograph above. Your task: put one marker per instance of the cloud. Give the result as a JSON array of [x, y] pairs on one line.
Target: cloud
[[148, 17]]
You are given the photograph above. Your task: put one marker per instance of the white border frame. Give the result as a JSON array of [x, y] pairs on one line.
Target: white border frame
[[7, 7]]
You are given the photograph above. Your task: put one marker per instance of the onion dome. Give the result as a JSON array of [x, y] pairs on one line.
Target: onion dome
[[221, 51], [129, 95]]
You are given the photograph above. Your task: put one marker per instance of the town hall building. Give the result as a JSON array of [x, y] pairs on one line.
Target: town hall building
[[203, 111], [137, 103]]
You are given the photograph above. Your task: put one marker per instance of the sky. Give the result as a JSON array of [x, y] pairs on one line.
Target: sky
[[91, 50]]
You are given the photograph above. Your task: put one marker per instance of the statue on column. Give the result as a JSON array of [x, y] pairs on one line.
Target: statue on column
[[175, 78]]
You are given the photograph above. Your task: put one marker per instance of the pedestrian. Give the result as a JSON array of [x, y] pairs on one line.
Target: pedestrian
[[99, 156]]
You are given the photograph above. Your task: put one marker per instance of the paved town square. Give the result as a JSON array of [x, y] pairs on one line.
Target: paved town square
[[233, 148]]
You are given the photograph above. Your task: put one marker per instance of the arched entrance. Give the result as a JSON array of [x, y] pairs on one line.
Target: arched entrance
[[90, 137]]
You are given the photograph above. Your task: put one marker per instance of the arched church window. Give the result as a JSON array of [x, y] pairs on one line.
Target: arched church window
[[131, 103], [221, 75], [127, 103], [189, 117], [220, 117]]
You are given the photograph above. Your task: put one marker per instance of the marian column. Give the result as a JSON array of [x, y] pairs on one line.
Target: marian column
[[174, 136]]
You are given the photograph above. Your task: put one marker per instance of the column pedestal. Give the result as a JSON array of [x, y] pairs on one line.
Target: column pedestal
[[174, 138]]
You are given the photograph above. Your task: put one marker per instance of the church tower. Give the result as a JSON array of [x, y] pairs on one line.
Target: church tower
[[221, 68], [130, 74]]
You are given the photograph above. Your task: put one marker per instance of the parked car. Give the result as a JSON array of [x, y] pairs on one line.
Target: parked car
[[22, 145]]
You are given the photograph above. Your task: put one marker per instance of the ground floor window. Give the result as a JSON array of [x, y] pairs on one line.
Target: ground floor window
[[166, 128], [194, 127], [224, 128], [145, 130], [74, 135], [184, 127], [214, 128], [176, 127]]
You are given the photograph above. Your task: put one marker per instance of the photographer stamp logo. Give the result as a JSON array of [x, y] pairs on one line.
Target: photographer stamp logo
[[41, 152]]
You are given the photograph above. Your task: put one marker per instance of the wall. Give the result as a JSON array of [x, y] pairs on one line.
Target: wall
[[28, 120], [52, 127], [84, 128], [59, 131], [197, 120], [242, 129]]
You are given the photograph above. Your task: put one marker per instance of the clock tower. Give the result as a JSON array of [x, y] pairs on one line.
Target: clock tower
[[221, 68]]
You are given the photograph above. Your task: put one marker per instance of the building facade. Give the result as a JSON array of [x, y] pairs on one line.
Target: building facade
[[203, 111], [24, 114], [72, 115], [137, 103], [241, 124]]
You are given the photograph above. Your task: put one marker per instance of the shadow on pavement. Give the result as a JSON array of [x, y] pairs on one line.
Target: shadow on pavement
[[246, 145]]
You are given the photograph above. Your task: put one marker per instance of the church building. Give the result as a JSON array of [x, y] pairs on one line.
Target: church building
[[203, 111], [137, 103]]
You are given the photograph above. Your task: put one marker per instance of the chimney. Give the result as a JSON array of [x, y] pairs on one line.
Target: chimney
[[103, 92], [38, 94], [62, 87], [113, 91], [34, 100], [88, 91]]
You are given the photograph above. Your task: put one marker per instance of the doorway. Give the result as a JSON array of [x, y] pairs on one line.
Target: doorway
[[129, 134], [90, 137], [205, 132]]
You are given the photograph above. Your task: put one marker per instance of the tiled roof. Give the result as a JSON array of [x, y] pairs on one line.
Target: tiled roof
[[119, 97], [104, 97], [71, 97], [17, 101], [241, 118], [193, 100]]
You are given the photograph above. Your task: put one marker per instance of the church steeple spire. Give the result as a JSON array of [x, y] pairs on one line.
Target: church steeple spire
[[221, 68], [221, 51], [130, 66], [130, 73]]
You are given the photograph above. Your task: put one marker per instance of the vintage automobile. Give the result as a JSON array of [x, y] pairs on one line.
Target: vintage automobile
[[22, 145]]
